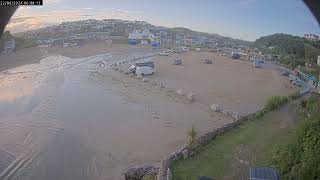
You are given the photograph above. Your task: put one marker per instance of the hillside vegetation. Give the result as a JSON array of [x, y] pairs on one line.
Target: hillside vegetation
[[293, 50], [300, 159]]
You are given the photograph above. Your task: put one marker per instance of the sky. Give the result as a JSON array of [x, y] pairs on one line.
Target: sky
[[241, 19]]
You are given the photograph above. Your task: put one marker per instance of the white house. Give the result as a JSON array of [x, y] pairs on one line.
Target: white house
[[311, 37]]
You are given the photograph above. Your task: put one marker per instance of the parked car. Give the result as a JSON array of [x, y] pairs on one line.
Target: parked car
[[284, 73], [144, 70], [235, 56], [163, 54], [295, 80], [132, 68], [177, 62], [185, 49]]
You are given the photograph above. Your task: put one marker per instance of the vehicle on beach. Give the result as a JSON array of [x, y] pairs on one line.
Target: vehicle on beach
[[163, 54], [207, 61], [177, 62], [185, 49], [295, 80], [144, 70], [235, 55], [133, 67]]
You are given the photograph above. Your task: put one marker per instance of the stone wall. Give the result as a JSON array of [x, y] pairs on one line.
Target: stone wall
[[163, 171], [202, 140], [137, 173]]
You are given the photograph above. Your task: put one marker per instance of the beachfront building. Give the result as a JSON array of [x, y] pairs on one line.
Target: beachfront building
[[9, 46], [311, 37], [139, 37], [80, 36], [47, 42], [96, 35], [118, 37]]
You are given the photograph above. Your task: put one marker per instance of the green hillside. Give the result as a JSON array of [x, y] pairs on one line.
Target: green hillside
[[293, 50]]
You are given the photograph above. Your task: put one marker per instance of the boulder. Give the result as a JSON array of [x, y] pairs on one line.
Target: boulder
[[216, 107], [190, 96], [145, 80], [185, 154], [180, 92], [226, 112], [169, 175], [236, 116]]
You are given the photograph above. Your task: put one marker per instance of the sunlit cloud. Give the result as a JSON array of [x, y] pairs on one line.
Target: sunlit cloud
[[28, 19], [46, 2]]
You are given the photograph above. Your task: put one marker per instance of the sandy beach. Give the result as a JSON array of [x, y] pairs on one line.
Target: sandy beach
[[66, 117]]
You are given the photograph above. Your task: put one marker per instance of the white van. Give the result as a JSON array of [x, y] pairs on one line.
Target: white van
[[144, 70]]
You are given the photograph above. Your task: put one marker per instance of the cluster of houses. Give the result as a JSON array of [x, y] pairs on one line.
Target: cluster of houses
[[70, 34], [311, 37], [9, 46]]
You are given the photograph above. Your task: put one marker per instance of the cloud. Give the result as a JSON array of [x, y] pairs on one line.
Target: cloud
[[28, 19], [246, 2], [46, 2], [121, 10]]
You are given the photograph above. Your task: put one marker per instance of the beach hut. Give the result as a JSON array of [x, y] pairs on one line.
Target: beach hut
[[132, 42], [155, 44]]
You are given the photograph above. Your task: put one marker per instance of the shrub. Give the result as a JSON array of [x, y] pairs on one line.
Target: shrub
[[148, 177], [192, 136], [275, 102], [313, 104], [259, 114], [303, 104], [301, 158]]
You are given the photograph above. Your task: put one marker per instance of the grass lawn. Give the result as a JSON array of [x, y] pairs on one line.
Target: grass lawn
[[231, 155]]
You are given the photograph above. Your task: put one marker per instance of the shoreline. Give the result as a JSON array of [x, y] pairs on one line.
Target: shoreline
[[35, 54]]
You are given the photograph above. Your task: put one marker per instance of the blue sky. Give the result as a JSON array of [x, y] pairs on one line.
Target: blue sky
[[243, 19]]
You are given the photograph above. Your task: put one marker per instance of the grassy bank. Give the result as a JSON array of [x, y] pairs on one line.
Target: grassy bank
[[252, 144], [300, 159]]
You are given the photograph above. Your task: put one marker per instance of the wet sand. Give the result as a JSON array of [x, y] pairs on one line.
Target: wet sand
[[69, 118], [35, 54]]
